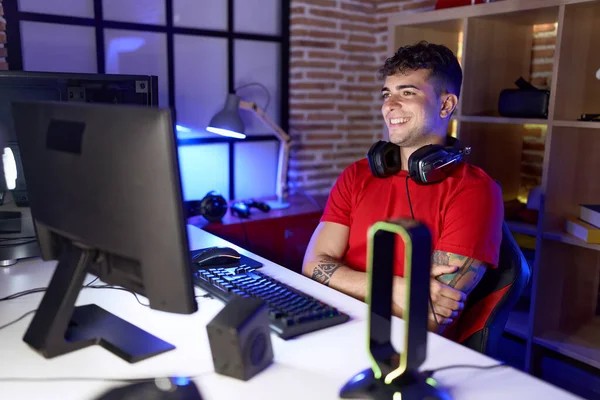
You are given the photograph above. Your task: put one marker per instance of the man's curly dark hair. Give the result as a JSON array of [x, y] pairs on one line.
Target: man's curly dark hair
[[439, 59]]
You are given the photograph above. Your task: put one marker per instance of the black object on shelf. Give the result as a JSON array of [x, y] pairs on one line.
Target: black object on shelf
[[590, 117], [525, 102]]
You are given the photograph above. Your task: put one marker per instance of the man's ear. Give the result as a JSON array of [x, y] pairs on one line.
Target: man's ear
[[449, 103]]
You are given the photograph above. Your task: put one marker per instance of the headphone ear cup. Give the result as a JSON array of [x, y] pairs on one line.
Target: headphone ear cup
[[433, 163], [384, 159], [414, 161], [213, 207]]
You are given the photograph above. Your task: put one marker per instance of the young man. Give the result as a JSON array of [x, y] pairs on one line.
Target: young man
[[464, 212]]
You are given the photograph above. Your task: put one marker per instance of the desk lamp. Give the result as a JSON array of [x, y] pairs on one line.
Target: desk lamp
[[395, 375], [228, 122]]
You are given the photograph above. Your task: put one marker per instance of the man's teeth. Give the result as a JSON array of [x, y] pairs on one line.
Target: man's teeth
[[399, 120]]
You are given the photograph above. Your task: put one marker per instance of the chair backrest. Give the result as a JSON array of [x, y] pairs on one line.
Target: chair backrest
[[489, 304]]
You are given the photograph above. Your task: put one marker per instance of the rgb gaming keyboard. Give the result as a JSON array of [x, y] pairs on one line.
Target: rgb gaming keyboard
[[291, 312]]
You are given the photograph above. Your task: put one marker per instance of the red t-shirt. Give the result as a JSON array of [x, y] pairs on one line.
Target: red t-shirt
[[464, 212]]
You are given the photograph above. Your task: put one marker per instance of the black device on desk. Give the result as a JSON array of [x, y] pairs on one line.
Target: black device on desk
[[106, 198], [242, 208], [291, 312], [157, 389]]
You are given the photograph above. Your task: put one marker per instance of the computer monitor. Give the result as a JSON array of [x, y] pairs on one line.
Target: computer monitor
[[106, 198], [15, 222], [70, 87]]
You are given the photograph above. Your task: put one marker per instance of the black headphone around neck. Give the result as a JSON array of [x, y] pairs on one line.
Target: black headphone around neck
[[212, 207], [429, 164]]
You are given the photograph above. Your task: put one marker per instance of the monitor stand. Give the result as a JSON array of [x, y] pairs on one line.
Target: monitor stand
[[58, 327]]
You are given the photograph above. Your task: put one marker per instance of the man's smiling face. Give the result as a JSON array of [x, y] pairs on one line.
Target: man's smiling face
[[411, 107]]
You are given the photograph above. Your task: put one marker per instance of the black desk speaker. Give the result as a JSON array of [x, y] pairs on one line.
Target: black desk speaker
[[240, 339]]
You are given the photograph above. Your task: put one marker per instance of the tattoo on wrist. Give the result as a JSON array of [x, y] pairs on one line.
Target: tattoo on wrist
[[324, 270]]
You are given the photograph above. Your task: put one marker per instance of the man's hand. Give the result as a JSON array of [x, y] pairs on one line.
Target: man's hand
[[447, 301], [466, 274]]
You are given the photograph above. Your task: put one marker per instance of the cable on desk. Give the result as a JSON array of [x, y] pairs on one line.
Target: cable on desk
[[17, 320], [35, 290], [430, 372], [118, 288], [98, 379]]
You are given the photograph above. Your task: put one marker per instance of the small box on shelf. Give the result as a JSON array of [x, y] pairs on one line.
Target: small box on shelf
[[582, 230]]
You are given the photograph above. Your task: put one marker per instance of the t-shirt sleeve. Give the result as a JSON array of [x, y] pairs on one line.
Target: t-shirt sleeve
[[472, 225], [339, 203]]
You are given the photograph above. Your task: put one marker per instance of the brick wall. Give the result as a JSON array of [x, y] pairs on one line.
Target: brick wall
[[544, 40], [336, 48], [3, 63]]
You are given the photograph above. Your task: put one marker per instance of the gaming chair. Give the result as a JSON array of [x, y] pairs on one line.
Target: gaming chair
[[489, 304]]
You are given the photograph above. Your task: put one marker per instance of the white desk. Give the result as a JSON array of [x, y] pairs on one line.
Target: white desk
[[313, 366]]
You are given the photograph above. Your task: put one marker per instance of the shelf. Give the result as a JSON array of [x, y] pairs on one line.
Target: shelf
[[497, 149], [565, 237], [502, 120], [576, 87], [522, 227], [571, 177], [577, 124], [518, 324], [583, 345], [446, 33], [495, 44], [531, 11]]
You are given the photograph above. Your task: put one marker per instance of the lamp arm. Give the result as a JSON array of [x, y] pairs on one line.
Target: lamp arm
[[284, 148], [252, 106]]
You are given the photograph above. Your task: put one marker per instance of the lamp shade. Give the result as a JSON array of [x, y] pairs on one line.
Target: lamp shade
[[228, 121]]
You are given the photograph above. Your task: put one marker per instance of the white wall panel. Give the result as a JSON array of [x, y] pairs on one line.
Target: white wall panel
[[200, 81], [139, 11], [58, 48], [204, 168], [140, 53], [202, 14]]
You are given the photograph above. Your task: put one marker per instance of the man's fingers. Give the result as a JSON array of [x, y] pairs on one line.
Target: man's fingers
[[438, 269], [445, 312], [451, 293], [449, 304]]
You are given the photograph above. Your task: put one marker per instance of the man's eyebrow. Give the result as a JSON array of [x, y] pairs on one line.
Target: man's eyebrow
[[400, 87]]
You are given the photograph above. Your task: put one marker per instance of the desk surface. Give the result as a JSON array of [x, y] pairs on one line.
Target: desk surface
[[313, 366]]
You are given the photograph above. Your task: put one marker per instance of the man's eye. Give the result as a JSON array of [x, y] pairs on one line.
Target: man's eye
[[408, 93], [385, 95]]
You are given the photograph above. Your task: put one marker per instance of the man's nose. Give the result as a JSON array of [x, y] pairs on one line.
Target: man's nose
[[393, 104]]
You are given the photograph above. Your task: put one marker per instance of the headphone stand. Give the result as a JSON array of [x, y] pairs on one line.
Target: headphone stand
[[414, 386], [395, 375]]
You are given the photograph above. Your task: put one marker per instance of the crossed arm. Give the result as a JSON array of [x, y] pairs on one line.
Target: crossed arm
[[322, 263], [468, 274]]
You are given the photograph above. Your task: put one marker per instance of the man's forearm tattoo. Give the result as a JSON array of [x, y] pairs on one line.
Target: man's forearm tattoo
[[324, 270]]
